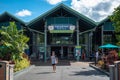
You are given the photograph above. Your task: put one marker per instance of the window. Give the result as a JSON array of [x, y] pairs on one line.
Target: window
[[107, 39], [62, 38]]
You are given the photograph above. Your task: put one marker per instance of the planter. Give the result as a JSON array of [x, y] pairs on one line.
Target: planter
[[11, 62]]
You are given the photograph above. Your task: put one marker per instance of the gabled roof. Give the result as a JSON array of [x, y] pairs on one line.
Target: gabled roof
[[6, 14], [70, 10], [107, 19], [103, 21]]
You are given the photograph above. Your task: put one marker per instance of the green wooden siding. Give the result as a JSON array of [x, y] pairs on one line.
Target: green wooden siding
[[61, 20], [108, 26], [4, 24]]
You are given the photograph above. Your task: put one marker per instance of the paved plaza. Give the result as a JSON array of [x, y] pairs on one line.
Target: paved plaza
[[72, 71]]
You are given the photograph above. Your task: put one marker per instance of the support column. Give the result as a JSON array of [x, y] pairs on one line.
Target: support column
[[61, 52], [33, 45], [78, 52], [91, 42], [91, 35], [45, 38], [77, 33], [102, 37]]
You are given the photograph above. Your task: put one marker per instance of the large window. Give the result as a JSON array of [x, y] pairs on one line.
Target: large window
[[40, 39], [82, 39], [62, 38], [107, 39]]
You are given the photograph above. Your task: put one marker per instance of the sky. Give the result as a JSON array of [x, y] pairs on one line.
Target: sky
[[27, 10]]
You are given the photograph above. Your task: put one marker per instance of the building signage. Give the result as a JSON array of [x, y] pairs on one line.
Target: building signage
[[78, 52], [61, 28]]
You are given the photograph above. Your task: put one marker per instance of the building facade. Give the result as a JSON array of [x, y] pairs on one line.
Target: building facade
[[62, 29]]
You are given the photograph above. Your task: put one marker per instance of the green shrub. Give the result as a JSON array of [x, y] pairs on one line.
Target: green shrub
[[13, 42], [21, 64]]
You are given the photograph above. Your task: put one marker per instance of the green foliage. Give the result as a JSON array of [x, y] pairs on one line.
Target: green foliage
[[21, 64], [115, 18], [13, 41]]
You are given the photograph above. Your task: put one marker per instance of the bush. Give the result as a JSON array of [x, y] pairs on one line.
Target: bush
[[101, 63], [13, 42], [21, 64]]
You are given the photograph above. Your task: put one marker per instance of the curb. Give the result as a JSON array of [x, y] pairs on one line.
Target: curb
[[106, 73], [18, 73]]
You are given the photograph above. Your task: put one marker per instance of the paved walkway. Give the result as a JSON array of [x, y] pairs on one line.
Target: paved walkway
[[74, 71]]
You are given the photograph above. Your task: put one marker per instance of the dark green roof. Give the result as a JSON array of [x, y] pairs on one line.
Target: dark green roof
[[103, 21], [6, 14], [70, 10]]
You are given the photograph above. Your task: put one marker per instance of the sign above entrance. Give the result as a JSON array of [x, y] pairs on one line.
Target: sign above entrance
[[77, 46], [61, 28]]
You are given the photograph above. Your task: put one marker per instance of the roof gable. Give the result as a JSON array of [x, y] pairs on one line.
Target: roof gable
[[103, 21], [70, 10], [6, 15]]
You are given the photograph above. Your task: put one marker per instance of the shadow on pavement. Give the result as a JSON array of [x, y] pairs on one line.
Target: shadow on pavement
[[87, 73], [48, 63], [45, 73]]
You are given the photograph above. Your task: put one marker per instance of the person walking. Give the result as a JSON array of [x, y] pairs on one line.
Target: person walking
[[96, 57], [54, 61], [83, 56]]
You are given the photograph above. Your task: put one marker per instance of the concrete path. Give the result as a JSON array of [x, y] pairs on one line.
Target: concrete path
[[74, 71]]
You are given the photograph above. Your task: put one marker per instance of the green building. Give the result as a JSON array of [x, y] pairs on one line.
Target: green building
[[62, 29]]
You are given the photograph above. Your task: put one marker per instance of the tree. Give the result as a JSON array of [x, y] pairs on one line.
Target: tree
[[13, 41], [115, 18]]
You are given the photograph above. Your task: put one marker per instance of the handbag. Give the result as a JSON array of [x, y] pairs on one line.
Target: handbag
[[56, 60]]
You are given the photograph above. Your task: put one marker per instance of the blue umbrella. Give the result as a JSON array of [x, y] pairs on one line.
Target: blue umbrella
[[109, 46]]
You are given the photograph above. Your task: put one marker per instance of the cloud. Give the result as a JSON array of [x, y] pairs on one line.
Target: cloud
[[53, 2], [95, 9], [24, 13]]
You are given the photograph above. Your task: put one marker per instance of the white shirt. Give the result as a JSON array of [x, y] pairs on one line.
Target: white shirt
[[53, 59], [97, 54]]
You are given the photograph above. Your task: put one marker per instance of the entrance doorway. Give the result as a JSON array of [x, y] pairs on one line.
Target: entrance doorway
[[57, 50], [63, 52]]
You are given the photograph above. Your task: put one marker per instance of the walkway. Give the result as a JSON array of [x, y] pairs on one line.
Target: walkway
[[69, 71]]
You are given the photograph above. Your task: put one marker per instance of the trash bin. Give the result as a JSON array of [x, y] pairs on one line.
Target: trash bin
[[4, 70]]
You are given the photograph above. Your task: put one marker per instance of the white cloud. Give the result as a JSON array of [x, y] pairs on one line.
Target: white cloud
[[24, 13], [95, 9], [53, 2]]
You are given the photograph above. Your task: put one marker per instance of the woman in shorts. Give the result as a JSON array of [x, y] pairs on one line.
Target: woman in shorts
[[54, 61]]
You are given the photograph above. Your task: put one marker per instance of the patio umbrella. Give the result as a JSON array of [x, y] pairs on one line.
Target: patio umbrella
[[109, 46]]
